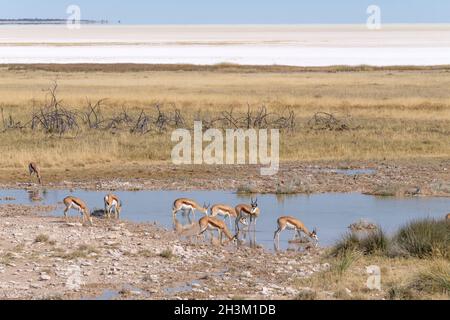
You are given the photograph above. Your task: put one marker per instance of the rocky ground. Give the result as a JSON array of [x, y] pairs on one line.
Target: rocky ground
[[44, 257], [396, 178]]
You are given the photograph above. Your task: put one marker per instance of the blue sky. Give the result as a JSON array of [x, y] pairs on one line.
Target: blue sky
[[233, 11]]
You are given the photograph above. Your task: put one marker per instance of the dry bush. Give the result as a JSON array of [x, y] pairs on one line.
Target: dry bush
[[327, 121], [54, 118]]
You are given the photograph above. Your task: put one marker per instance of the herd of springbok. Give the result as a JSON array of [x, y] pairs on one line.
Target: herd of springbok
[[245, 214]]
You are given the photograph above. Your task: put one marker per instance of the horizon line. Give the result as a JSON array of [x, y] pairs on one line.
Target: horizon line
[[218, 23]]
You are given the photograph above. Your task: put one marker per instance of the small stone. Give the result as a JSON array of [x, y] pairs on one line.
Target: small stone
[[76, 224], [266, 291], [44, 277]]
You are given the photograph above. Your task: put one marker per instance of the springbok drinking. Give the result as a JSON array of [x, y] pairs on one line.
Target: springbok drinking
[[213, 224], [184, 204], [34, 169], [292, 223], [79, 205]]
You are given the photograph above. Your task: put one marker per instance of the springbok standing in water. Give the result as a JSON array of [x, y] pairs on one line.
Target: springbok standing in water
[[184, 204], [79, 205], [292, 223], [112, 202], [247, 212], [227, 212], [213, 224], [34, 169]]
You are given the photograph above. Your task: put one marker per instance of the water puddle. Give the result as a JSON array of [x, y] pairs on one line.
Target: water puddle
[[330, 213], [194, 284], [188, 287], [351, 172], [110, 294]]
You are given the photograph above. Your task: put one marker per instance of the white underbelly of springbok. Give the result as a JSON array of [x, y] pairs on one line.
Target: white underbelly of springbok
[[73, 205], [212, 228], [223, 213], [186, 207], [290, 226], [113, 204]]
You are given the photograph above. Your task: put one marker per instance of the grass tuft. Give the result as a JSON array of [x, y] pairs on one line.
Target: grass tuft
[[83, 251], [167, 254], [424, 238], [42, 238], [372, 242], [306, 295], [345, 261], [434, 279], [246, 189]]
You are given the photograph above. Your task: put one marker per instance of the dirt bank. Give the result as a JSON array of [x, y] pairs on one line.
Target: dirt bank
[[399, 178], [44, 257]]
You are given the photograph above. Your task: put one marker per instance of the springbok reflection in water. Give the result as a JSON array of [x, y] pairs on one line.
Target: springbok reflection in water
[[331, 220]]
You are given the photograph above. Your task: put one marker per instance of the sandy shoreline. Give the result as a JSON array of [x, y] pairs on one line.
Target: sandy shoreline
[[395, 178], [45, 258]]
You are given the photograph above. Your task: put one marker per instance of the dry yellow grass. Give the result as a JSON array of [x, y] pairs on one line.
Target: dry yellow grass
[[401, 279], [396, 114]]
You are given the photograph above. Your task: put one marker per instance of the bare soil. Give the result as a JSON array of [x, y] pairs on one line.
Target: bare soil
[[389, 178]]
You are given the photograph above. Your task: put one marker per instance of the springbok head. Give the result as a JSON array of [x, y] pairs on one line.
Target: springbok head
[[206, 207], [313, 235], [254, 205]]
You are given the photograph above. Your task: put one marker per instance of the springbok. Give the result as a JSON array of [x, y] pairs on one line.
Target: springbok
[[188, 204], [112, 202], [292, 223], [247, 212], [34, 169], [77, 204], [225, 211], [447, 217], [212, 224]]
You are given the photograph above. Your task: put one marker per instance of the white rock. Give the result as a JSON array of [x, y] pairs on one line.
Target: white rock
[[75, 224], [44, 277], [266, 291]]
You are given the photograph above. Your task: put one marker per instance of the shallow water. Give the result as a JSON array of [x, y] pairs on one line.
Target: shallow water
[[330, 213], [354, 172], [110, 294]]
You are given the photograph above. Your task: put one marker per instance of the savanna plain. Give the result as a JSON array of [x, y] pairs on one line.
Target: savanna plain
[[113, 128]]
